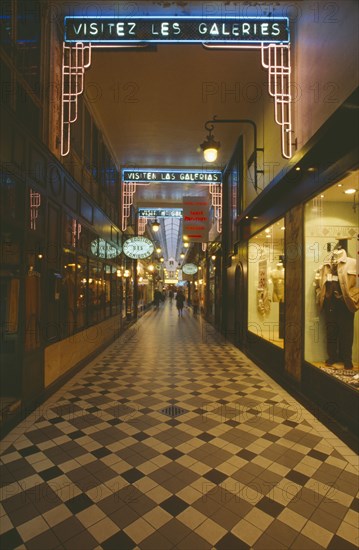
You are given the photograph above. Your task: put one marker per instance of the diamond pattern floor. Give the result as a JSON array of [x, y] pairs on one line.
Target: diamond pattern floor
[[99, 466]]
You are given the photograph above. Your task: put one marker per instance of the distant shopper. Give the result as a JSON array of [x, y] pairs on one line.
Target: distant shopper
[[180, 302], [171, 295], [157, 298], [195, 302]]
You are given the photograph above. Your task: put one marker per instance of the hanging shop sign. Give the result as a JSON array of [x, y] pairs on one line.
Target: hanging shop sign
[[102, 249], [160, 213], [189, 269], [147, 29], [195, 219], [138, 248], [153, 175]]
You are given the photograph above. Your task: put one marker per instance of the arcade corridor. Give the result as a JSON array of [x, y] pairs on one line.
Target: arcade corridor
[[235, 463]]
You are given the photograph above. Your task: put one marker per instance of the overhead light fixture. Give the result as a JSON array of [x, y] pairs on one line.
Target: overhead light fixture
[[210, 146], [158, 250], [155, 226], [350, 191], [182, 255], [162, 259], [186, 245]]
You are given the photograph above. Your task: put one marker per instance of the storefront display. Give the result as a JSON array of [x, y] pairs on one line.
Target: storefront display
[[331, 286], [266, 278]]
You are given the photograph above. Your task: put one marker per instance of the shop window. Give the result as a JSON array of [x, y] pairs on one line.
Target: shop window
[[7, 26], [9, 337], [101, 292], [28, 112], [9, 308], [28, 36], [10, 199], [53, 245], [67, 294], [266, 278], [6, 85], [95, 147], [117, 293], [81, 288], [71, 231], [112, 180], [87, 139], [87, 242], [110, 289], [36, 210], [331, 281], [53, 302], [93, 285], [9, 249], [32, 309], [76, 129]]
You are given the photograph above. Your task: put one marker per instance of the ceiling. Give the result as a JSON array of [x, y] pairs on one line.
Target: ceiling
[[152, 106]]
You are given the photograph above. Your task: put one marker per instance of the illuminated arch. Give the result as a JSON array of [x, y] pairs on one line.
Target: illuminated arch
[[275, 58]]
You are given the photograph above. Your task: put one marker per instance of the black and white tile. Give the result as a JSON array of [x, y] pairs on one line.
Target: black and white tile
[[172, 438]]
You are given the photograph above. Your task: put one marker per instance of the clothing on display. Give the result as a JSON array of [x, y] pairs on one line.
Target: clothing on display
[[338, 296]]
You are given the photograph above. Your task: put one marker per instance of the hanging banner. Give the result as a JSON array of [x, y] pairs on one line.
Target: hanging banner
[[195, 219]]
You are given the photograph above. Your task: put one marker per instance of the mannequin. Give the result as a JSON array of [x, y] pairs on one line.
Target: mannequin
[[277, 277], [338, 296]]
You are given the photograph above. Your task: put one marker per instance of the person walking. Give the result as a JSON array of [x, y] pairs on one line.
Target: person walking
[[195, 302], [180, 302], [157, 298]]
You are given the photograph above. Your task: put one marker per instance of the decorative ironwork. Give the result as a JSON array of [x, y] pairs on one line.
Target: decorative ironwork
[[35, 203], [75, 59], [276, 58], [216, 194], [128, 190], [142, 222]]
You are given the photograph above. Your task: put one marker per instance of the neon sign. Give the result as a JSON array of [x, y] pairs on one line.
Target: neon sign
[[146, 176], [193, 29], [160, 212]]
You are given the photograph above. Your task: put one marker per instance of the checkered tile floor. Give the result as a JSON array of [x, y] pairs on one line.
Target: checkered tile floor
[[172, 438]]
